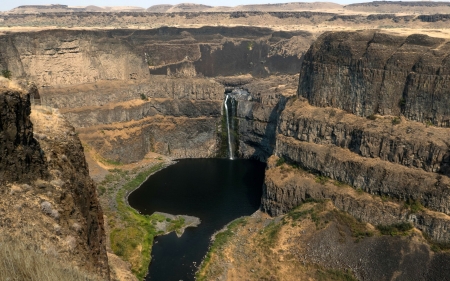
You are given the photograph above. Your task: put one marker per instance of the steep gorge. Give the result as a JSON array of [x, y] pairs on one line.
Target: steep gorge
[[345, 78], [365, 127]]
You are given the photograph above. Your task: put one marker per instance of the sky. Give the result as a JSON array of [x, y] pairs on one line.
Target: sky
[[6, 5]]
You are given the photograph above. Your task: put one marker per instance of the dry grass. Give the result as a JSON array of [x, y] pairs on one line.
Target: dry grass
[[20, 262]]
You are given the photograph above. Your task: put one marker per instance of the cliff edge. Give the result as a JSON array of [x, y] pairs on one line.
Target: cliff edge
[[48, 201]]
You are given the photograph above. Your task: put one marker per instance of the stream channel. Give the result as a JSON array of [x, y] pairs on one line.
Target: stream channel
[[215, 190]]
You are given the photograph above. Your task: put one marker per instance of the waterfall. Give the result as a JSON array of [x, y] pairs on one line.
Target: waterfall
[[230, 144]]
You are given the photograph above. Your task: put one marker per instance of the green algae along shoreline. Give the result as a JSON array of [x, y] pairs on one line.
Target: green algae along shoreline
[[132, 233]]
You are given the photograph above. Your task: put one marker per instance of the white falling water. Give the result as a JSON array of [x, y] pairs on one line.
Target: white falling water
[[230, 146]]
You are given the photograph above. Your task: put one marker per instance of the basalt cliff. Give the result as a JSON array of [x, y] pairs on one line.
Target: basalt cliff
[[362, 133], [49, 203]]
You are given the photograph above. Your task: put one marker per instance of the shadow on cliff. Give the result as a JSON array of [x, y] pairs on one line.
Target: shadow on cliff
[[265, 148]]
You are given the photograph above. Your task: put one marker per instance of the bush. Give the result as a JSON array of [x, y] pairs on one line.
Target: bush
[[372, 117], [280, 161], [395, 229], [414, 205], [7, 74], [143, 97], [322, 179], [396, 121]]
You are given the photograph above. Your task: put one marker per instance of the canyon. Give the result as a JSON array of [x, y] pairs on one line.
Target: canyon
[[350, 111]]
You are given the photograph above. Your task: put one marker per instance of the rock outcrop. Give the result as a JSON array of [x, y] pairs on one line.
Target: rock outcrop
[[370, 72], [258, 114], [125, 121], [400, 153], [48, 200], [21, 157], [72, 57]]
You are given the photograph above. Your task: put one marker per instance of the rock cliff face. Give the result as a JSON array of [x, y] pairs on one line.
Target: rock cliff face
[[101, 82], [258, 113], [48, 200], [374, 73], [21, 157], [124, 121], [71, 57], [400, 153]]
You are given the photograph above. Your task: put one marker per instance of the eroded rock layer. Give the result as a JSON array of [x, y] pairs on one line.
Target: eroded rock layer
[[21, 157], [123, 121], [400, 153], [374, 73], [48, 201], [72, 57]]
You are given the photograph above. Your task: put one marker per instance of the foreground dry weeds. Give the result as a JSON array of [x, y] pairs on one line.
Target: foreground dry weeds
[[19, 262]]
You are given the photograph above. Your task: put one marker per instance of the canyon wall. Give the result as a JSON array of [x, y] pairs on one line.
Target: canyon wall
[[359, 121], [123, 121], [48, 200], [21, 157], [258, 113], [130, 92], [376, 16], [370, 72], [71, 57]]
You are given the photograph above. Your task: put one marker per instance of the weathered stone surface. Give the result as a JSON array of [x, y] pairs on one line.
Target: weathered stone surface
[[374, 73], [56, 185], [124, 121], [71, 57], [21, 157], [105, 92], [178, 137], [258, 114], [408, 143], [285, 188], [371, 175]]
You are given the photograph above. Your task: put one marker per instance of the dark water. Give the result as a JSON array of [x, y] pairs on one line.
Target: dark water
[[215, 190]]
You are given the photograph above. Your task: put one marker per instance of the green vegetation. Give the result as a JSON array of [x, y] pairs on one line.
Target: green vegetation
[[7, 74], [313, 211], [110, 162], [372, 117], [271, 234], [414, 206], [338, 183], [335, 275], [176, 225], [396, 120], [132, 234], [221, 132], [322, 179], [144, 97], [402, 102], [280, 161], [250, 45], [428, 123], [220, 240], [395, 229], [358, 229]]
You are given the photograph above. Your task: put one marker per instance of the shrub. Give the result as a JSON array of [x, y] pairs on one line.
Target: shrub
[[395, 229], [143, 97], [414, 205], [396, 121], [322, 179], [280, 161], [372, 117], [7, 74]]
